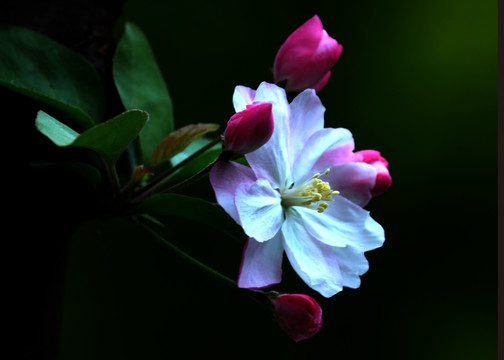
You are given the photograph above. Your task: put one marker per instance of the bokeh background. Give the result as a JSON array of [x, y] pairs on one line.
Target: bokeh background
[[417, 80]]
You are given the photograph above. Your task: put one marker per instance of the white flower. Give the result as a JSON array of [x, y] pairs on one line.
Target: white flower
[[303, 194]]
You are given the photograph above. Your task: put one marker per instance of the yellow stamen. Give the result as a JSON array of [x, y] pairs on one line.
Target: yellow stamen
[[310, 193]]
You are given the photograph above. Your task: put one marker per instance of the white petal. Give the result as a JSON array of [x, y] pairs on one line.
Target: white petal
[[242, 97], [271, 161], [306, 118], [315, 262], [225, 177], [315, 147], [352, 264], [321, 226], [261, 264], [353, 180], [260, 210], [355, 226], [338, 155]]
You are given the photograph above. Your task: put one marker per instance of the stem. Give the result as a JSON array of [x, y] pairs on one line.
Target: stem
[[192, 179], [186, 256], [111, 173], [164, 177]]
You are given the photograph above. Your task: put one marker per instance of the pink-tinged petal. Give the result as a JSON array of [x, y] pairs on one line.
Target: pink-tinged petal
[[242, 97], [261, 264], [306, 118], [322, 60], [225, 177], [305, 58], [320, 225], [299, 315], [323, 82], [320, 142], [270, 161], [354, 181], [352, 265], [356, 227], [383, 178], [248, 130], [338, 155], [383, 182], [298, 48], [315, 262], [260, 210]]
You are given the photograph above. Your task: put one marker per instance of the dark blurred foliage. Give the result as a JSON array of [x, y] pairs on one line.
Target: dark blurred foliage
[[417, 81]]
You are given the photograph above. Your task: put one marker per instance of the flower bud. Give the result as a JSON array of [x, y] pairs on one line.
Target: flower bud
[[383, 178], [299, 315], [306, 57], [248, 130]]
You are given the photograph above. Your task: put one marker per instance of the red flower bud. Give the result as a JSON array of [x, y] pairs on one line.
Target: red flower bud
[[306, 57], [248, 130], [383, 178], [299, 315]]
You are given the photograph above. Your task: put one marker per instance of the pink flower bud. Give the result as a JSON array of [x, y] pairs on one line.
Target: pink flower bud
[[306, 57], [248, 130], [299, 315], [383, 178]]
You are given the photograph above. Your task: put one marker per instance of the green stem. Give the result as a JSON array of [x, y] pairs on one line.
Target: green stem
[[186, 256], [111, 173], [164, 177], [192, 179]]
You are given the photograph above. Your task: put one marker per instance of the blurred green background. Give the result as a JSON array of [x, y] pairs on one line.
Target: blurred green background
[[418, 81]]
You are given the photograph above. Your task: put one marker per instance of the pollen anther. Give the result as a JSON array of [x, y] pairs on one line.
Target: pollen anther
[[313, 193]]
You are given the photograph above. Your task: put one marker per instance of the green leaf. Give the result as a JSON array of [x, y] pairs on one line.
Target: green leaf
[[46, 71], [192, 208], [110, 138], [141, 86], [178, 140], [88, 172]]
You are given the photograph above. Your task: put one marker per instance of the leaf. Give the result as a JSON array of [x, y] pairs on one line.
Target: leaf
[[88, 172], [40, 68], [141, 86], [192, 208], [178, 140], [110, 138]]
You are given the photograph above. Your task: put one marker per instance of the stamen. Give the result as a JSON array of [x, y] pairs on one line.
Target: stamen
[[310, 193]]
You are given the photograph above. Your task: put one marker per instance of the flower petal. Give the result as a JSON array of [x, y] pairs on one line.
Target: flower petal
[[315, 262], [352, 264], [261, 264], [321, 226], [242, 97], [315, 147], [306, 118], [355, 227], [260, 210], [271, 160], [354, 181], [225, 177], [337, 155]]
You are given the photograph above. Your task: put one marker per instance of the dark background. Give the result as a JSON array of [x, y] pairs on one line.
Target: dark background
[[417, 80]]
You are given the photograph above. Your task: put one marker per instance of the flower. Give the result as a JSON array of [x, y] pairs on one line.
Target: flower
[[248, 130], [299, 315], [295, 199], [306, 57], [383, 178]]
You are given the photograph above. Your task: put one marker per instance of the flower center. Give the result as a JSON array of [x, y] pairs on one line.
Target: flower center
[[313, 193]]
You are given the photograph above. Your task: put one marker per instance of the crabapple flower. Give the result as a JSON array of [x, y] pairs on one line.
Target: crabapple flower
[[298, 315], [305, 59], [248, 129], [383, 178], [293, 199]]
